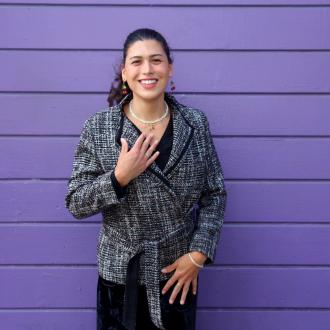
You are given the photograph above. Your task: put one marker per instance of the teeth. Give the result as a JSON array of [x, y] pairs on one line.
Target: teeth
[[148, 81]]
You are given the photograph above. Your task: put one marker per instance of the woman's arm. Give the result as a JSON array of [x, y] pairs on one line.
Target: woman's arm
[[89, 188], [212, 203]]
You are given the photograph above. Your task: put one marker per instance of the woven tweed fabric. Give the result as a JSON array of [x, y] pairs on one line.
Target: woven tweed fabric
[[157, 201]]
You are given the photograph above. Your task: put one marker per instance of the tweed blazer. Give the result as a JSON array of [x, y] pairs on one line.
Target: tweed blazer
[[164, 213]]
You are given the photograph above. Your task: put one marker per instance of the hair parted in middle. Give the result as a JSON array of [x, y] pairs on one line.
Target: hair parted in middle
[[116, 90]]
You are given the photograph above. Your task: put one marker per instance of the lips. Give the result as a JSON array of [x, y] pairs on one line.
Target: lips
[[148, 83]]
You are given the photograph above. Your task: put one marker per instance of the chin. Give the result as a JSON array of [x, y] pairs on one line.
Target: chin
[[151, 95]]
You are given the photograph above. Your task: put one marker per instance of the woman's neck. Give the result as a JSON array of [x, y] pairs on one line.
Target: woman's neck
[[148, 109]]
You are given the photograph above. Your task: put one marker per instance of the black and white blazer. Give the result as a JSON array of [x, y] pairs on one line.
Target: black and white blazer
[[165, 213]]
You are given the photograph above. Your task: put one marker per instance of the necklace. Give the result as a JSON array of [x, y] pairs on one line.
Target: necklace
[[150, 123]]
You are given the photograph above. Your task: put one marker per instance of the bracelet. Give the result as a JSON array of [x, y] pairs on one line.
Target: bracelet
[[194, 262]]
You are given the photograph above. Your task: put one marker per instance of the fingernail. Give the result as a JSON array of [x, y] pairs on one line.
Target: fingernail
[[181, 302], [171, 301], [163, 270]]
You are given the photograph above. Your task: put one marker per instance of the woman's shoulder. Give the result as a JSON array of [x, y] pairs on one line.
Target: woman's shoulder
[[195, 116], [100, 118]]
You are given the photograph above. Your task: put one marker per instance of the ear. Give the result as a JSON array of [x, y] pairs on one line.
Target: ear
[[170, 74], [123, 73]]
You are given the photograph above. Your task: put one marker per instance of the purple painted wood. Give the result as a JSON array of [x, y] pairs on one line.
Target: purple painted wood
[[35, 200], [262, 319], [269, 287], [48, 319], [180, 2], [232, 28], [262, 201], [271, 275], [206, 319], [250, 287], [263, 158], [46, 114], [224, 72], [248, 244], [48, 287]]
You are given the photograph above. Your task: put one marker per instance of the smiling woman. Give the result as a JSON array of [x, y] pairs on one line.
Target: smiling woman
[[149, 164]]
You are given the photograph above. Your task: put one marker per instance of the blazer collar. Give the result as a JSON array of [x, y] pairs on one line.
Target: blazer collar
[[182, 135]]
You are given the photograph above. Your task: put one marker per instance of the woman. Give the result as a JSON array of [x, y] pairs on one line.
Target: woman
[[148, 163]]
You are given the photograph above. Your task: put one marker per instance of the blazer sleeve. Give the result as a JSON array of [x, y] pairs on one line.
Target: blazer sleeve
[[212, 203], [90, 189]]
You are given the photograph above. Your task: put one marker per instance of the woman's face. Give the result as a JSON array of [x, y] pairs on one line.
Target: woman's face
[[146, 69]]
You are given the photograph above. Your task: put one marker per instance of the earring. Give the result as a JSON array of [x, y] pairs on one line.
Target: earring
[[172, 86], [124, 88]]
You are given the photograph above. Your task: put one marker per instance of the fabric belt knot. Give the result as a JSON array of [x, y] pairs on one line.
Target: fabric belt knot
[[150, 248], [151, 257]]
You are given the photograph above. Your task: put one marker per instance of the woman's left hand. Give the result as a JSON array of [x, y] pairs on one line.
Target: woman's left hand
[[185, 274]]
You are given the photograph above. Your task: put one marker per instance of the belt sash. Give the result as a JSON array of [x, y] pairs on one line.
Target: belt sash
[[150, 248]]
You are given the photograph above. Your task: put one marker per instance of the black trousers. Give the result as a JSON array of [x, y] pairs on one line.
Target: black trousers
[[110, 301]]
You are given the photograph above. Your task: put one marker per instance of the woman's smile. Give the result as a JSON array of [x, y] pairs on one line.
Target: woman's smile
[[148, 83]]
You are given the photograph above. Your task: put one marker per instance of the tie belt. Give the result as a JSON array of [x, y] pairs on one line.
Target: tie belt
[[150, 248]]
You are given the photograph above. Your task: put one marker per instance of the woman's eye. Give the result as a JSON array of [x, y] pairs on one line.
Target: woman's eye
[[157, 60], [135, 62]]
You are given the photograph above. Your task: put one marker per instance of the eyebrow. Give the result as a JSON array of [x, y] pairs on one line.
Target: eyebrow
[[149, 56]]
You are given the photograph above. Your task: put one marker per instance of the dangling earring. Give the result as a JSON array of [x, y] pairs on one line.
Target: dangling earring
[[124, 88], [172, 86]]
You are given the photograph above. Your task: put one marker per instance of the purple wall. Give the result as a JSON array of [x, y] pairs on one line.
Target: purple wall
[[261, 72]]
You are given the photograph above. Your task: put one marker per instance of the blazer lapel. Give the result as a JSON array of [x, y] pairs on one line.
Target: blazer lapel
[[182, 135]]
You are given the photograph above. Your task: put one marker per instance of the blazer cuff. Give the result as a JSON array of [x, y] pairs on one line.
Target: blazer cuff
[[201, 244], [119, 190]]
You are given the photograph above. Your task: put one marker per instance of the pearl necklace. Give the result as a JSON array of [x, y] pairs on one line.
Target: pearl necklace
[[150, 123]]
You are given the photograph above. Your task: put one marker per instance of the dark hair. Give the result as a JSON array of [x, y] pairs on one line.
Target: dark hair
[[115, 94]]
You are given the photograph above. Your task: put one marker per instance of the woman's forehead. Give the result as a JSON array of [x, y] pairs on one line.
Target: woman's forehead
[[145, 47]]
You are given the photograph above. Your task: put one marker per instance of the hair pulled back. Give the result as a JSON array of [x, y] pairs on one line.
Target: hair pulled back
[[115, 94]]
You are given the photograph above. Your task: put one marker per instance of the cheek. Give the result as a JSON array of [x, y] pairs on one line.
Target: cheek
[[132, 73]]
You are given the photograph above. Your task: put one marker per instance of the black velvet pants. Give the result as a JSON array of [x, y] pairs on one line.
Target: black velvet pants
[[110, 299]]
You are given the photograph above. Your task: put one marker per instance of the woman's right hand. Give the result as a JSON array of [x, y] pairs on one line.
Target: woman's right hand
[[133, 162]]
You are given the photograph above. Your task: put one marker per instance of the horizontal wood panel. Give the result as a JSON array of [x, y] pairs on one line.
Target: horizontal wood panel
[[30, 201], [232, 27], [46, 114], [223, 71], [261, 320], [75, 287], [48, 319], [239, 244], [178, 2], [262, 158], [265, 287], [205, 319]]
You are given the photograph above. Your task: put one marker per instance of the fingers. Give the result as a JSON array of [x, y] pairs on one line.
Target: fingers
[[184, 292], [141, 155], [146, 144], [194, 285], [124, 145], [170, 267], [142, 142], [175, 291], [145, 149], [139, 141], [169, 284], [152, 158]]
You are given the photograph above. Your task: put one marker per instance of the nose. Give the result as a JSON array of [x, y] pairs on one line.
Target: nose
[[147, 67]]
